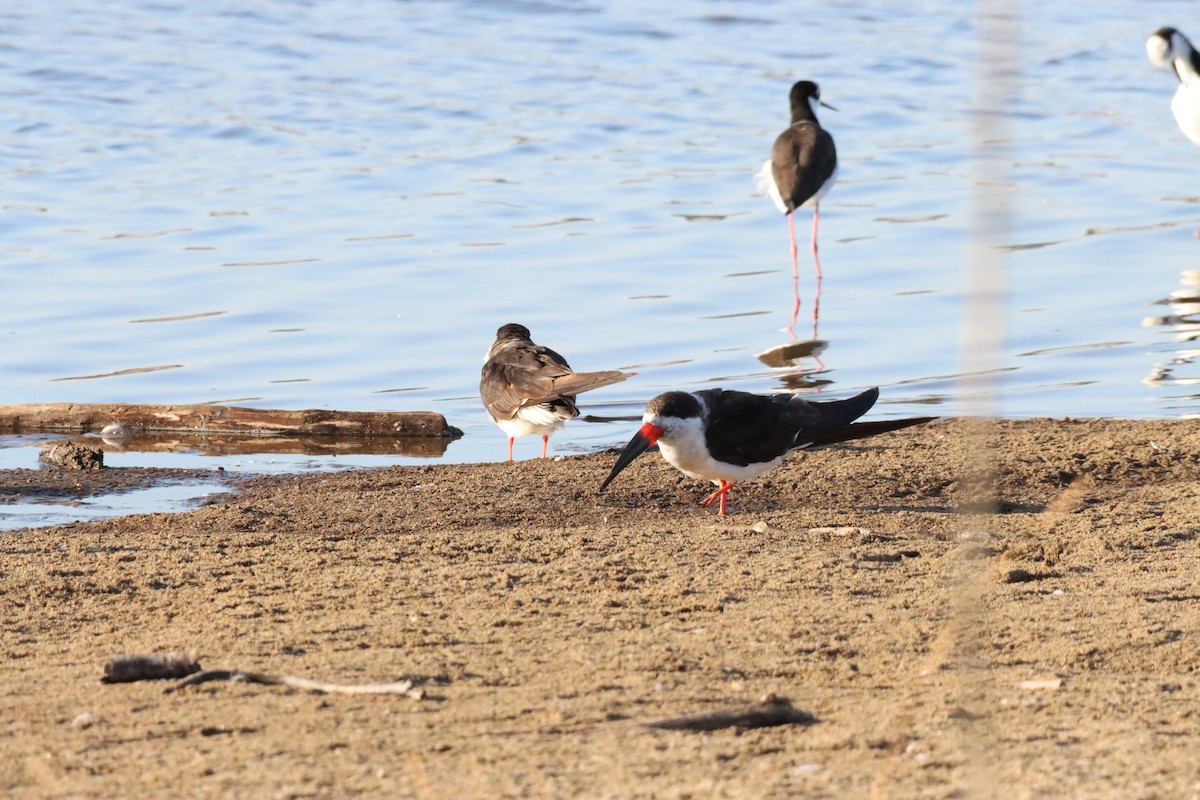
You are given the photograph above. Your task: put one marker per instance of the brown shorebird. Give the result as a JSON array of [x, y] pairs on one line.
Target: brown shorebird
[[531, 389]]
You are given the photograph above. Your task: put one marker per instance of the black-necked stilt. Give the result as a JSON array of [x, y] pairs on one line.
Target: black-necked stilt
[[803, 164], [528, 388], [1171, 49], [727, 437]]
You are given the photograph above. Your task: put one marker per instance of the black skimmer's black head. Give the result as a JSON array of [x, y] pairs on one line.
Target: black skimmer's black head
[[1169, 48], [666, 415], [727, 436], [803, 164], [530, 389]]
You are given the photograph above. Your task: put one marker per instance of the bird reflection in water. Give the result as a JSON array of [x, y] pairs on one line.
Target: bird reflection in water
[[790, 330], [1184, 322], [790, 358]]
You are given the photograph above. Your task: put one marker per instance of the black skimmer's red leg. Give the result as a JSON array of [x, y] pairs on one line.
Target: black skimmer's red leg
[[727, 437], [803, 164], [1171, 49], [719, 494], [529, 389]]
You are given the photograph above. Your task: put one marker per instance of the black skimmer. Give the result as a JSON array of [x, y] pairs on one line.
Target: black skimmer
[[1171, 49], [528, 388], [728, 437], [803, 164]]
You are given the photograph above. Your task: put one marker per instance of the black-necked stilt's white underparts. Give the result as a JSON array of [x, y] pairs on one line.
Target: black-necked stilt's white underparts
[[803, 164], [528, 388], [1171, 49], [727, 437]]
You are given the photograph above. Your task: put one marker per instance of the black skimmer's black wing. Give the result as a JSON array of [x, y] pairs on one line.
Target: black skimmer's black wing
[[856, 430], [744, 429]]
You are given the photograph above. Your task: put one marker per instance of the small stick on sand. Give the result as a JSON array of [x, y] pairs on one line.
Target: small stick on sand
[[766, 713], [153, 667], [404, 687]]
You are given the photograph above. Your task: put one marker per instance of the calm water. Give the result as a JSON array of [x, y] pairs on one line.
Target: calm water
[[335, 204]]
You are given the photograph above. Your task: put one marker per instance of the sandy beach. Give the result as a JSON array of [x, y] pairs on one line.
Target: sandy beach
[[1041, 645]]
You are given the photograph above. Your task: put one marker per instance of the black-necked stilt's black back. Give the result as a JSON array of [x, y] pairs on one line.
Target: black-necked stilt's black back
[[1171, 49], [528, 388], [803, 164], [727, 437]]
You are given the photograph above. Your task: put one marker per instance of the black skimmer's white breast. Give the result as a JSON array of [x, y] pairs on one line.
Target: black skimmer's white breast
[[803, 163], [530, 389], [1171, 49], [727, 437]]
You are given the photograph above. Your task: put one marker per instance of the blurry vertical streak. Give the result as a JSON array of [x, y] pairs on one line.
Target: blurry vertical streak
[[958, 700], [992, 195], [991, 198]]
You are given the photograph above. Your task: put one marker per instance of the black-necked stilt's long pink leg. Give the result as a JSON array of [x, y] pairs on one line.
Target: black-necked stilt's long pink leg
[[792, 237], [791, 327], [816, 258]]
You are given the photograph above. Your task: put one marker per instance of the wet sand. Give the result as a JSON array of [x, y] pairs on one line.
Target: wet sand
[[1046, 645]]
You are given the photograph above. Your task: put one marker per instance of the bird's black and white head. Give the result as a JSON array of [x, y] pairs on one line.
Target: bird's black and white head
[[668, 417], [804, 98], [1170, 49]]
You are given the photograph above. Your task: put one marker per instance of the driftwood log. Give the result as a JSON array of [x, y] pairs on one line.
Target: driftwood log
[[84, 417], [252, 444]]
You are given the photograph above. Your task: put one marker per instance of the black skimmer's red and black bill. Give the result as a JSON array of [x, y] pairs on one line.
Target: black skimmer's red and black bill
[[728, 437], [1171, 49], [803, 164], [529, 389]]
